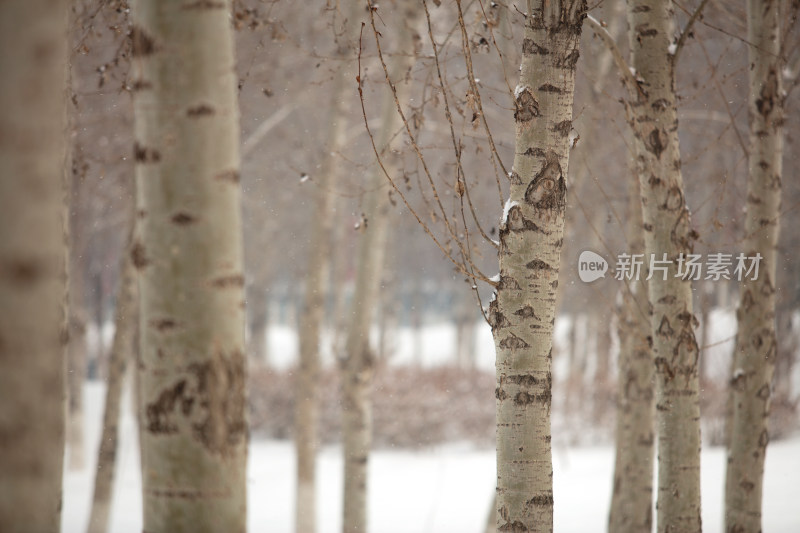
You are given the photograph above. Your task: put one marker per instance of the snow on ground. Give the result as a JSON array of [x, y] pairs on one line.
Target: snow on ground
[[442, 490]]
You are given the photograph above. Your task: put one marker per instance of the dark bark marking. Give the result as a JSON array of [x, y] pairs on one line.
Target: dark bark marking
[[526, 106], [159, 413], [513, 527], [142, 44], [183, 219], [641, 9], [531, 48], [674, 199], [517, 222], [509, 283], [548, 190], [538, 264], [163, 324], [224, 282], [143, 154], [664, 328], [526, 312], [231, 176], [138, 255], [654, 181], [550, 88], [200, 110], [526, 398], [536, 152], [220, 395], [203, 5], [24, 272], [500, 394], [141, 85], [643, 31], [668, 299], [497, 320], [563, 128], [769, 93], [541, 500], [654, 144], [660, 104], [512, 342], [570, 60]]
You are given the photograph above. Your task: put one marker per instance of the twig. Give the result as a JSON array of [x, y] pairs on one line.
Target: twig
[[460, 266], [687, 30]]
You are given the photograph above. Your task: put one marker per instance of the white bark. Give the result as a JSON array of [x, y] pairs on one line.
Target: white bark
[[653, 118], [188, 252], [33, 54], [756, 342], [632, 495], [531, 237]]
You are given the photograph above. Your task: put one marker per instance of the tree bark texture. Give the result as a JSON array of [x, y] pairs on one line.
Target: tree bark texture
[[531, 237], [632, 495], [653, 119], [188, 253], [121, 351], [359, 356], [33, 334], [756, 342], [311, 316]]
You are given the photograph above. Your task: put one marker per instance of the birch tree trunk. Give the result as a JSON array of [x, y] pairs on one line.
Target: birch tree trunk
[[359, 355], [311, 315], [188, 252], [756, 343], [632, 495], [33, 334], [121, 352], [653, 118], [531, 236]]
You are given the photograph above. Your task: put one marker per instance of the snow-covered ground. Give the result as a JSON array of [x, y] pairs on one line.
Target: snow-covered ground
[[443, 490]]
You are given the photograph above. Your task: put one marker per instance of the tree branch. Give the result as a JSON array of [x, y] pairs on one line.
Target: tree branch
[[688, 29]]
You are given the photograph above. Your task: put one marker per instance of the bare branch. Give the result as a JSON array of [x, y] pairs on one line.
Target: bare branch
[[687, 30], [624, 69]]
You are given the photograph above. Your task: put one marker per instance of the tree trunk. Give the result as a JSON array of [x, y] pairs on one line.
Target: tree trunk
[[311, 315], [632, 496], [359, 356], [188, 252], [121, 351], [653, 118], [258, 322], [76, 375], [531, 236], [756, 343], [33, 334]]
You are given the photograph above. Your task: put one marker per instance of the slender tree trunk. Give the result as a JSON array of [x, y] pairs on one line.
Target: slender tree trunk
[[121, 352], [531, 236], [359, 355], [311, 315], [705, 332], [33, 334], [653, 118], [632, 496], [258, 319], [188, 252], [756, 343], [76, 375]]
